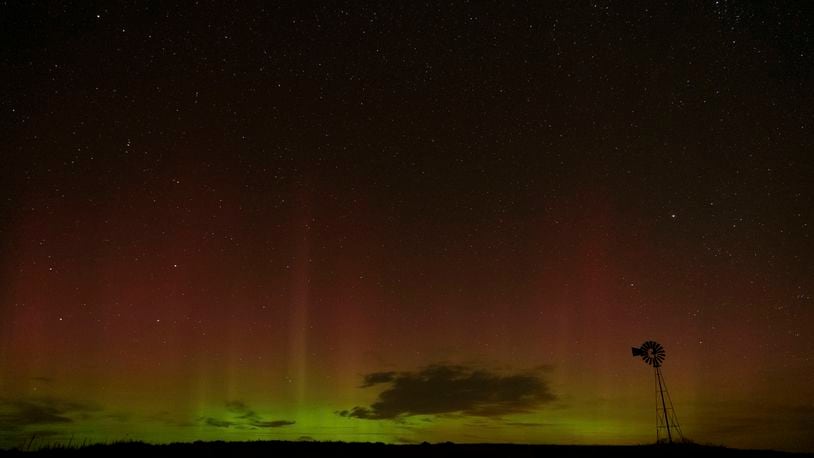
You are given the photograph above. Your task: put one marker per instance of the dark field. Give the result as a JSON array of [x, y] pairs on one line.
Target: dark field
[[280, 448]]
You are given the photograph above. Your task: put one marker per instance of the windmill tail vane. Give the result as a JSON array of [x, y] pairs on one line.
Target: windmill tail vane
[[653, 354]]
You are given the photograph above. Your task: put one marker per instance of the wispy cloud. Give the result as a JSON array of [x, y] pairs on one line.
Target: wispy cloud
[[217, 423], [21, 413], [272, 424], [242, 417]]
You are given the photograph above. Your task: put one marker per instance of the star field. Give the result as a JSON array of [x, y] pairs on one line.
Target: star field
[[251, 221]]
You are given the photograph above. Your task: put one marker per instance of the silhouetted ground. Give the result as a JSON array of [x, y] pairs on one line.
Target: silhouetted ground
[[354, 450]]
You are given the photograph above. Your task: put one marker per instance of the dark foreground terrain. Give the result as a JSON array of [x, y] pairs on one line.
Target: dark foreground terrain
[[355, 450]]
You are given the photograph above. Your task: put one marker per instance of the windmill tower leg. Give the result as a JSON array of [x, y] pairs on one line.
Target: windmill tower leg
[[663, 406], [658, 414]]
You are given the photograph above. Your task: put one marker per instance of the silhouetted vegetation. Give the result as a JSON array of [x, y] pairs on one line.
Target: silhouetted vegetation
[[359, 449]]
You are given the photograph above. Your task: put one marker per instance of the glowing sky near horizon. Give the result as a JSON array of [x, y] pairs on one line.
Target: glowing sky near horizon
[[403, 224]]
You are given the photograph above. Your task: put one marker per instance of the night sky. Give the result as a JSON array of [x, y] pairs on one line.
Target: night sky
[[406, 222]]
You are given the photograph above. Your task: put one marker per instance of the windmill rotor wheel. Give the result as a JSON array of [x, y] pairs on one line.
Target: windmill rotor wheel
[[652, 353]]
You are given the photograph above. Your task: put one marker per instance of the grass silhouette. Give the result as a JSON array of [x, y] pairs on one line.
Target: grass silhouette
[[362, 449]]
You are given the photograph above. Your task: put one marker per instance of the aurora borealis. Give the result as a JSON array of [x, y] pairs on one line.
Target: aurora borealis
[[406, 223]]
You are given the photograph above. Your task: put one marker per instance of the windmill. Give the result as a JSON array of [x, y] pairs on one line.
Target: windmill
[[653, 353]]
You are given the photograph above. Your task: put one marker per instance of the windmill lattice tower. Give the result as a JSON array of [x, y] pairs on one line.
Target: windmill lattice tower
[[667, 425]]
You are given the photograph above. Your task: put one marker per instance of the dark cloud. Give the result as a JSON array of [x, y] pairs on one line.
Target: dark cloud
[[20, 413], [378, 377], [452, 389], [243, 417]]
